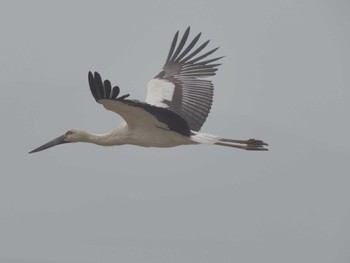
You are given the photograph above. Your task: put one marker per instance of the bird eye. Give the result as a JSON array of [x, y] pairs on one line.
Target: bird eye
[[68, 133]]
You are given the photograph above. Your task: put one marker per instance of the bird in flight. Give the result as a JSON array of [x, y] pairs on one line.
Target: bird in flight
[[178, 102]]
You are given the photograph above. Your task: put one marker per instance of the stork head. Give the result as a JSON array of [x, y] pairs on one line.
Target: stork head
[[72, 135]]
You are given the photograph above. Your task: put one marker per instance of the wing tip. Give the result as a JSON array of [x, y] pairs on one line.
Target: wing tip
[[103, 90], [179, 54]]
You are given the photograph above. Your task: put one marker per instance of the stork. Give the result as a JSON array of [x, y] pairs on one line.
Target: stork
[[178, 102]]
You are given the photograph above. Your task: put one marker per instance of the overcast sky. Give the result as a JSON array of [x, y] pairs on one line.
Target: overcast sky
[[284, 79]]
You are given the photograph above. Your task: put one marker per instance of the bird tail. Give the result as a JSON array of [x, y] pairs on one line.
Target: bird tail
[[251, 144]]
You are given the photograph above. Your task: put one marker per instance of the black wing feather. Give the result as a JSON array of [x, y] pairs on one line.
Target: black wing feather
[[103, 92], [193, 95]]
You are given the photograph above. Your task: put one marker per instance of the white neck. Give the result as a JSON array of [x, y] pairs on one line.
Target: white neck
[[107, 139]]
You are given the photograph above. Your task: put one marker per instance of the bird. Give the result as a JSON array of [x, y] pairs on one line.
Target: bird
[[179, 99]]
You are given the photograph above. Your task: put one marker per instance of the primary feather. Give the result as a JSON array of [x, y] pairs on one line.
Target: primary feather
[[181, 86]]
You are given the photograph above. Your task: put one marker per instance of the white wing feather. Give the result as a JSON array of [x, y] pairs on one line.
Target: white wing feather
[[158, 91]]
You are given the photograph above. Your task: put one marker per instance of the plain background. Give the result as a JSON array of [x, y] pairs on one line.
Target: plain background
[[285, 79]]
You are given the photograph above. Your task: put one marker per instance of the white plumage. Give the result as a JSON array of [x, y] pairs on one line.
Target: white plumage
[[178, 102], [159, 90]]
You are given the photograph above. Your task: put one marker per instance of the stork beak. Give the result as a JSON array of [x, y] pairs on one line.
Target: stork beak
[[54, 142]]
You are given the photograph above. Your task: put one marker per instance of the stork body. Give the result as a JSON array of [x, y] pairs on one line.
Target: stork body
[[178, 102]]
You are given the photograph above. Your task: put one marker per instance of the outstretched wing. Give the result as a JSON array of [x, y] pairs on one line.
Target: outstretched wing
[[180, 86], [136, 114]]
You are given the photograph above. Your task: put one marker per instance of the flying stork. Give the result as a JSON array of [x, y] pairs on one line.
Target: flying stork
[[178, 102]]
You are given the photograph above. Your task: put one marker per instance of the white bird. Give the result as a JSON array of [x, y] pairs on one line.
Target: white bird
[[178, 102]]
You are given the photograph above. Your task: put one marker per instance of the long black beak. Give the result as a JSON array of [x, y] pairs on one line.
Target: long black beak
[[54, 142]]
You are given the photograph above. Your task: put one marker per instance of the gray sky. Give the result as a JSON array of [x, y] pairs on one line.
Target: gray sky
[[285, 79]]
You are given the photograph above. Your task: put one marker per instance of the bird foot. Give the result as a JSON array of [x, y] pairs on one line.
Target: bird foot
[[256, 145]]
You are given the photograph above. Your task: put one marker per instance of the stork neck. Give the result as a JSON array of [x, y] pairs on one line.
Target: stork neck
[[106, 139]]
